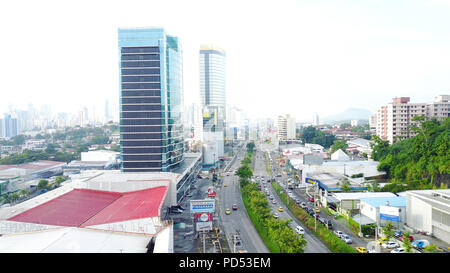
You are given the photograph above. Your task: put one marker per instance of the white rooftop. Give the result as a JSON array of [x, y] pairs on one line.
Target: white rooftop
[[358, 195], [74, 240]]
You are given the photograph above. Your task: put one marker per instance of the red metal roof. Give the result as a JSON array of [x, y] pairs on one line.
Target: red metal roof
[[83, 207], [70, 209], [130, 206]]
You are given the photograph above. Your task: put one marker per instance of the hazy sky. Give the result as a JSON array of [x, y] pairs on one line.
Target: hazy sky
[[284, 56]]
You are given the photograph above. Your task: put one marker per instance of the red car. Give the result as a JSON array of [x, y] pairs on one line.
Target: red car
[[234, 207], [411, 238], [311, 199]]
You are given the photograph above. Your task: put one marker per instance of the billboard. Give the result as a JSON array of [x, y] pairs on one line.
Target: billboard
[[203, 217], [204, 226], [201, 206], [389, 213], [310, 181]]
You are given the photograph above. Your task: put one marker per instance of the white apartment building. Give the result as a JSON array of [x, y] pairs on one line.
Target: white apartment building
[[286, 128], [394, 120]]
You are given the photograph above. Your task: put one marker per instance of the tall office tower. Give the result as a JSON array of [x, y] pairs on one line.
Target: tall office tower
[[151, 100], [315, 120], [10, 126], [394, 119], [212, 94]]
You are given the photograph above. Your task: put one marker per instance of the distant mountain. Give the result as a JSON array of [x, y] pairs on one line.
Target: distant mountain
[[349, 114]]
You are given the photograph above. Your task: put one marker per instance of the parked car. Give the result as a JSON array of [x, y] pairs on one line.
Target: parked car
[[411, 238], [419, 244], [346, 238], [329, 224], [299, 230], [234, 207], [398, 233], [398, 250], [303, 205], [382, 241], [361, 249], [338, 233], [390, 244]]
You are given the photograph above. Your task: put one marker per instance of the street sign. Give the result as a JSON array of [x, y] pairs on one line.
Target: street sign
[[201, 206]]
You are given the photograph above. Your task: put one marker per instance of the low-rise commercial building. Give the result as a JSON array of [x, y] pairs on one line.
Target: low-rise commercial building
[[429, 211]]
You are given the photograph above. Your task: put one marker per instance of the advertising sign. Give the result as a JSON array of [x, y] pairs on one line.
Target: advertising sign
[[201, 206], [204, 226], [389, 213], [310, 181], [203, 217]]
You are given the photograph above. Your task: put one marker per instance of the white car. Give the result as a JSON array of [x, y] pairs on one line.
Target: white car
[[276, 215], [346, 239], [390, 244], [299, 230], [274, 201], [398, 250], [338, 233]]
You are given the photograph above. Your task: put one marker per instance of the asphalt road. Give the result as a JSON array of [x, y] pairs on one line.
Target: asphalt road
[[238, 221], [314, 244]]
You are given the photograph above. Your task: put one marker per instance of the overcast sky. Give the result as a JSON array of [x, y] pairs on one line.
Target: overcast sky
[[285, 56]]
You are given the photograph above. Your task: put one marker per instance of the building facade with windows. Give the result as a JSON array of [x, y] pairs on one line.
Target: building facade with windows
[[395, 119], [151, 100]]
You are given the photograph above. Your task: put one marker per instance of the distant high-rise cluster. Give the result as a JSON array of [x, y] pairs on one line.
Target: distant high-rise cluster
[[394, 119], [286, 127], [8, 126]]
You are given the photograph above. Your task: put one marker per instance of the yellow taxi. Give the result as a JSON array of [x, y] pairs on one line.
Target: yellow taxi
[[382, 241], [361, 249], [227, 211], [280, 209], [225, 185]]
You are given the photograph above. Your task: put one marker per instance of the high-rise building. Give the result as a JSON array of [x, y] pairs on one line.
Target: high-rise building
[[286, 128], [10, 126], [213, 99], [395, 119], [315, 121], [151, 100]]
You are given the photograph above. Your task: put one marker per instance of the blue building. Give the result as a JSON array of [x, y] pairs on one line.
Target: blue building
[[150, 67], [9, 127]]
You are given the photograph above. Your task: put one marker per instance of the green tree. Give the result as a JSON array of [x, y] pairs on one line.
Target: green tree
[[339, 144], [244, 172], [432, 248], [250, 146], [43, 184], [388, 230], [407, 242]]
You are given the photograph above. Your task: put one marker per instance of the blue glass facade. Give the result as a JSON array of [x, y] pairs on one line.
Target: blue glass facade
[[150, 65]]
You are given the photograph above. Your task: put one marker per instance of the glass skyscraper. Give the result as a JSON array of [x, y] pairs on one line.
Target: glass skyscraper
[[151, 98]]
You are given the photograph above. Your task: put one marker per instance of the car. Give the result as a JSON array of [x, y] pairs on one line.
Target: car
[[280, 209], [420, 244], [398, 250], [322, 220], [390, 244], [361, 249], [234, 207], [276, 215], [227, 211], [270, 196], [329, 224], [346, 238], [311, 199], [303, 205], [259, 186], [267, 193], [225, 185], [338, 233], [299, 230], [274, 201], [382, 241], [398, 233], [411, 238]]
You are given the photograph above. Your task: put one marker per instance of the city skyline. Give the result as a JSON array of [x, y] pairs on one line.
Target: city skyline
[[339, 59]]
